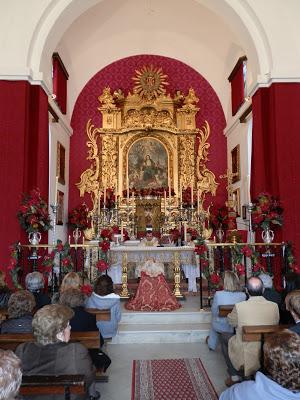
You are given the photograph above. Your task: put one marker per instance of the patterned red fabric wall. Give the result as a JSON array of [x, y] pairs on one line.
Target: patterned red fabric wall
[[119, 75], [24, 156]]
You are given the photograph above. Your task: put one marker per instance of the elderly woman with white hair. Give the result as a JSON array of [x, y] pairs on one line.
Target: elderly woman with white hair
[[35, 283], [10, 375], [52, 354]]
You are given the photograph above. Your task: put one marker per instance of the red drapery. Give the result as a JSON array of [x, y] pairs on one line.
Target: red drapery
[[60, 78], [276, 150], [24, 154], [236, 79]]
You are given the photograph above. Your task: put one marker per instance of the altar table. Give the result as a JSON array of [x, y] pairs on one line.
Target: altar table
[[139, 254]]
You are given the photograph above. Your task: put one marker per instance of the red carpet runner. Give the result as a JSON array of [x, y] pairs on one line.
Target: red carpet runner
[[179, 379]]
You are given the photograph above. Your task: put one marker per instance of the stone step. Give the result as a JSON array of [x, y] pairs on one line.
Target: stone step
[[175, 317], [161, 333]]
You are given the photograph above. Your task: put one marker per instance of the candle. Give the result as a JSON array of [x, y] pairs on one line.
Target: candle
[[127, 189], [165, 201], [99, 201], [180, 193], [104, 194], [192, 193], [116, 188], [185, 232], [169, 183], [249, 188], [83, 239], [122, 231], [55, 193], [198, 201], [69, 239]]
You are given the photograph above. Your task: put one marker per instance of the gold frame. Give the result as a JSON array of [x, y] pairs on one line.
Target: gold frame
[[235, 164], [60, 163], [236, 197]]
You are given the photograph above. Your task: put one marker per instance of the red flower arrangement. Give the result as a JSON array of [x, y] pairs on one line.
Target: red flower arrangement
[[104, 246], [33, 213], [267, 212], [102, 266], [107, 233], [49, 261], [175, 233], [155, 192], [219, 217], [87, 290], [79, 217]]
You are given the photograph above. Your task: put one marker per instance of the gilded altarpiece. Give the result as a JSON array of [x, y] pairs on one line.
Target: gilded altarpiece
[[147, 141]]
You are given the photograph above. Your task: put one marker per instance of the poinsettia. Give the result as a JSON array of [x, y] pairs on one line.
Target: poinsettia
[[267, 212], [65, 258], [87, 289], [33, 213], [79, 217], [104, 245], [102, 265], [219, 217]]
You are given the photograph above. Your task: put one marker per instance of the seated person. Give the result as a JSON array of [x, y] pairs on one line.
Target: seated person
[[35, 283], [270, 293], [294, 308], [4, 291], [242, 358], [191, 271], [231, 294], [20, 308], [10, 375], [281, 380], [103, 298], [153, 292], [52, 354], [84, 321], [70, 281], [149, 240]]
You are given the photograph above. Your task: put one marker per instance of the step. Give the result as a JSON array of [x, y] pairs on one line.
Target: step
[[176, 317], [161, 333]]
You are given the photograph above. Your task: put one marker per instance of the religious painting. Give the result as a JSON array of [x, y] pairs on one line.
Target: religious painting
[[148, 213], [60, 163], [237, 202], [147, 164], [60, 210], [235, 164]]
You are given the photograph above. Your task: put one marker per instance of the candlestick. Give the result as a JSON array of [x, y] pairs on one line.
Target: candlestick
[[55, 193], [185, 232], [165, 201], [69, 239], [192, 193], [198, 201], [122, 231]]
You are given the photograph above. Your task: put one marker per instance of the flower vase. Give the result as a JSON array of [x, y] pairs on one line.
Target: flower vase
[[219, 234], [34, 239], [76, 235], [267, 235]]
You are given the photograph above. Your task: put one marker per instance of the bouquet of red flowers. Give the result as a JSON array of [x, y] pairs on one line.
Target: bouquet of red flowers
[[219, 217], [79, 217], [33, 213], [267, 212]]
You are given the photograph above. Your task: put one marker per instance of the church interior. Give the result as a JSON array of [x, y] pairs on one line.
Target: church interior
[[152, 146]]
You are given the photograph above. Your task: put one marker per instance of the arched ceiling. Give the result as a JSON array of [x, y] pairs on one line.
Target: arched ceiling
[[184, 30]]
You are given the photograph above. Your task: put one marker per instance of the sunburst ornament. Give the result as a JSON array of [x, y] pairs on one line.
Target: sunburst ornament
[[150, 82]]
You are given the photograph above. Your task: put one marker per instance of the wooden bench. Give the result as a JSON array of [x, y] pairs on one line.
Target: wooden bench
[[225, 310], [91, 340], [101, 315], [256, 333], [49, 385]]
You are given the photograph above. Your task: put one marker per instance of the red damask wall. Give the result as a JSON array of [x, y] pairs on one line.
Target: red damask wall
[[119, 75]]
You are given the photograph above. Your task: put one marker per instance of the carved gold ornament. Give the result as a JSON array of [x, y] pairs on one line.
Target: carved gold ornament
[[150, 82]]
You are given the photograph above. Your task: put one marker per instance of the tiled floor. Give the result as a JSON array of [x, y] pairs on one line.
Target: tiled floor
[[122, 355]]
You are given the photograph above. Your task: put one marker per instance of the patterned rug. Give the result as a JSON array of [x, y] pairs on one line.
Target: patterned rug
[[177, 379]]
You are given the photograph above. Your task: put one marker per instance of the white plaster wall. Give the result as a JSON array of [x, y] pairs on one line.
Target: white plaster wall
[[58, 134]]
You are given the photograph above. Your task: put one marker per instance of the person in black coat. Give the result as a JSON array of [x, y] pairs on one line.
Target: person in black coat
[[35, 283], [84, 321], [293, 305]]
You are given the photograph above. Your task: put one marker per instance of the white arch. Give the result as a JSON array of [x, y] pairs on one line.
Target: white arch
[[60, 14]]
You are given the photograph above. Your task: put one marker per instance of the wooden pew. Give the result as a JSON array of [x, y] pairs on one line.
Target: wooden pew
[[225, 310], [49, 385], [256, 333], [101, 315], [91, 340]]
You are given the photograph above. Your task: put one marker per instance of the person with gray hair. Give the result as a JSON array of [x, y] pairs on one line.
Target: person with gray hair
[[35, 283], [270, 293], [242, 358], [52, 354], [20, 308], [10, 375]]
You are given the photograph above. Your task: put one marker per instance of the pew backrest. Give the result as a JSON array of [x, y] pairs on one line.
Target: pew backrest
[[49, 385], [255, 333], [101, 315], [224, 310]]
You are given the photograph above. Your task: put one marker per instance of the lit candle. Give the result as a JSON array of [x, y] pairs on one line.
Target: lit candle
[[55, 193], [192, 193], [185, 232]]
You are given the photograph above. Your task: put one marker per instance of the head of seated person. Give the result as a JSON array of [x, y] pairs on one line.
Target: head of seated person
[[51, 324], [294, 304], [10, 375], [4, 291], [34, 281], [72, 298], [20, 303], [282, 359], [231, 282], [254, 287], [104, 285], [71, 281], [149, 236]]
